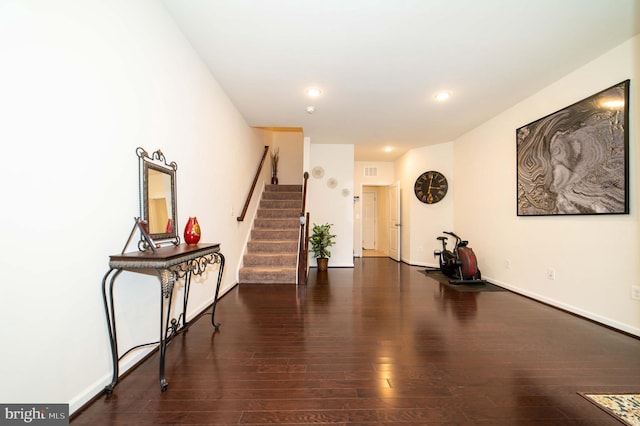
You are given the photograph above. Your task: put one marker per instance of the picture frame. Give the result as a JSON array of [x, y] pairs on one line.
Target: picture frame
[[575, 161]]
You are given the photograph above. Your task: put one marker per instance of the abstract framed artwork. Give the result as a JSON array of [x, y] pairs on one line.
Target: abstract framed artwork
[[576, 161]]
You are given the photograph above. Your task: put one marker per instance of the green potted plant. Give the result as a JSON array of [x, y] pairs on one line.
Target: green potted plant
[[320, 240]]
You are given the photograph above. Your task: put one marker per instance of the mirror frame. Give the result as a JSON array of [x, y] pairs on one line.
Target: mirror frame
[[157, 161]]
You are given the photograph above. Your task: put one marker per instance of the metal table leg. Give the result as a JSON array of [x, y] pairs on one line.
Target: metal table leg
[[111, 323], [167, 280], [215, 298]]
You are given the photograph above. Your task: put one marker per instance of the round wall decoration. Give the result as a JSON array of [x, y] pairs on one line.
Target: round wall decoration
[[332, 182], [317, 172], [431, 187]]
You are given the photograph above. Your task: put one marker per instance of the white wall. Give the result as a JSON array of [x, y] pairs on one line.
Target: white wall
[[423, 223], [333, 205], [596, 257], [83, 84]]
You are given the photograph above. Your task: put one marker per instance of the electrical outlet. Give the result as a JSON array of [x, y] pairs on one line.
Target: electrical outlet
[[551, 274], [635, 292], [507, 263]]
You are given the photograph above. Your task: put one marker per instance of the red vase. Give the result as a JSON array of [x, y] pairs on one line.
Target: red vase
[[192, 231]]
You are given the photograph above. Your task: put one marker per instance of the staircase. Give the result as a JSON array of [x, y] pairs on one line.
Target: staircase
[[272, 253]]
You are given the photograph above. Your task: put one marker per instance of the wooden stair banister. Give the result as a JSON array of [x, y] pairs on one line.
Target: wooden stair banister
[[303, 257], [253, 185]]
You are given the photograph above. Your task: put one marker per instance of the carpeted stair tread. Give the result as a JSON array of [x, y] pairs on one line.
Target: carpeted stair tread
[[278, 213], [283, 188], [274, 234], [278, 259], [257, 275], [281, 204], [271, 223], [277, 246], [281, 196]]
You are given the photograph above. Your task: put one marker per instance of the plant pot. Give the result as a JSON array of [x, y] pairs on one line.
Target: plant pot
[[323, 263]]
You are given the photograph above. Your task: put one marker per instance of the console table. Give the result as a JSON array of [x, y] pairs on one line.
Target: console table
[[169, 264]]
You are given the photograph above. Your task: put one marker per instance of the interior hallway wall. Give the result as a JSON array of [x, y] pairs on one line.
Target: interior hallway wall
[[83, 85], [595, 257], [423, 223], [330, 198]]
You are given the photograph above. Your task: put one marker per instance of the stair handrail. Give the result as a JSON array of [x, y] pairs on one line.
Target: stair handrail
[[253, 185], [303, 246]]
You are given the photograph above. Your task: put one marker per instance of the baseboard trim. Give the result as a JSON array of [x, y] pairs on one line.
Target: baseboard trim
[[96, 390], [570, 309]]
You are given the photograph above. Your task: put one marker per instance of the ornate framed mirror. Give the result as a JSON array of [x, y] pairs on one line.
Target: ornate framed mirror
[[158, 196]]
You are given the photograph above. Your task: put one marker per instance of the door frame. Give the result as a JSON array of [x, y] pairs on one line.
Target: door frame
[[358, 210]]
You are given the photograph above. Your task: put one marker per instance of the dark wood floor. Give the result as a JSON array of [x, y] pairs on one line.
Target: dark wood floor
[[378, 344]]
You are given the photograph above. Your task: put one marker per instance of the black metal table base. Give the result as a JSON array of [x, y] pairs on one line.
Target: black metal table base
[[169, 269]]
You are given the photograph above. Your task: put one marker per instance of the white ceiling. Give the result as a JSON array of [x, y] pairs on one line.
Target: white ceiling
[[380, 62]]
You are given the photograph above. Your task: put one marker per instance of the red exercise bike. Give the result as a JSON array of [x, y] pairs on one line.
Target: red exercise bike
[[460, 263]]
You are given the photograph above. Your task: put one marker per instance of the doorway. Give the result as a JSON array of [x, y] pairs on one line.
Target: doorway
[[369, 219], [375, 221]]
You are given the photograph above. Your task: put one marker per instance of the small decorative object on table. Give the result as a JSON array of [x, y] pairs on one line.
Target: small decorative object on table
[[192, 231]]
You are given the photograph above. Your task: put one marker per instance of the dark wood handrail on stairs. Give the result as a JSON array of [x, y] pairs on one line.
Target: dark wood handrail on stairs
[[303, 249], [253, 185]]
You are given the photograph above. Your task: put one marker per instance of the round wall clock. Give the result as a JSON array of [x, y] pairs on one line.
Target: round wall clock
[[431, 187]]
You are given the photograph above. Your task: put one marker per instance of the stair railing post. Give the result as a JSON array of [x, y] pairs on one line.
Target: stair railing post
[[303, 256]]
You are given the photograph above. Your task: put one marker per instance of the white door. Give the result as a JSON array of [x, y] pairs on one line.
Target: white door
[[369, 220], [394, 221]]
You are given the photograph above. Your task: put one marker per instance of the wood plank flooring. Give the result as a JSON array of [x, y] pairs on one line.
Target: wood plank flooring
[[374, 253], [378, 344]]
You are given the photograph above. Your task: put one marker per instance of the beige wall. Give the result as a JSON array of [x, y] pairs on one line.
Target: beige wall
[[423, 223], [595, 257], [290, 145]]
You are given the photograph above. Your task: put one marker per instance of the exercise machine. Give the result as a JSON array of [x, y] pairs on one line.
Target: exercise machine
[[460, 264]]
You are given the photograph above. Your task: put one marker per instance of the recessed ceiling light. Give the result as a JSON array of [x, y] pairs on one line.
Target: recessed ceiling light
[[388, 149], [314, 92], [442, 96]]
